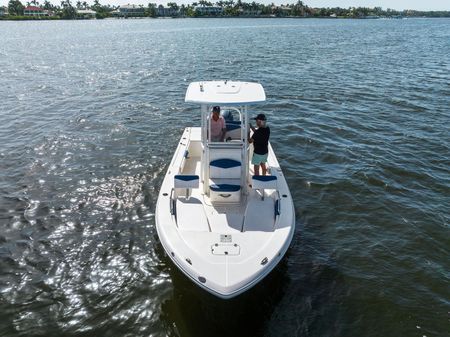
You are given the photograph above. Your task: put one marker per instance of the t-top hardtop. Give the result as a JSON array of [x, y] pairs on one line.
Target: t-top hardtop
[[225, 93]]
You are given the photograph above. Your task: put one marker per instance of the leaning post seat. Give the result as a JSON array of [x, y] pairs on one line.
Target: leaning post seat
[[233, 129], [225, 180], [264, 183], [188, 212], [187, 182]]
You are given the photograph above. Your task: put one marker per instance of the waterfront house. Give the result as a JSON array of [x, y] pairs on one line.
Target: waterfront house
[[86, 13], [166, 11], [208, 10], [129, 11], [281, 11], [285, 11], [249, 12], [33, 11], [3, 11]]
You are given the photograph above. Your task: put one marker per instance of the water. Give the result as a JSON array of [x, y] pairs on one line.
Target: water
[[91, 113]]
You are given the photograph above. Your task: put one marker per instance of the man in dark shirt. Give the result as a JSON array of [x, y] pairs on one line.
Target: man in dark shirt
[[260, 140]]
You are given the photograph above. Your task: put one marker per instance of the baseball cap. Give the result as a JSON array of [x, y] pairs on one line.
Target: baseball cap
[[261, 117]]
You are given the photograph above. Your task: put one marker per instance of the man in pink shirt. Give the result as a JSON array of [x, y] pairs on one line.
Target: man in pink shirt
[[218, 128]]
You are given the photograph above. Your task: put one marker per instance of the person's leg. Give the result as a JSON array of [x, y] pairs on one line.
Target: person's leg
[[264, 169], [256, 170]]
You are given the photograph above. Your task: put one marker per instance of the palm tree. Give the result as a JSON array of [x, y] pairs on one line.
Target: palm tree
[[15, 7], [204, 3], [172, 5], [68, 12], [96, 6], [47, 5]]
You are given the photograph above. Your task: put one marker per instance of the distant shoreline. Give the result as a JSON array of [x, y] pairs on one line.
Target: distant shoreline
[[219, 17], [16, 11]]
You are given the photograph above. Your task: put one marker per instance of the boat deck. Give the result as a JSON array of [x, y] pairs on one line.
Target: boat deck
[[225, 218], [223, 227]]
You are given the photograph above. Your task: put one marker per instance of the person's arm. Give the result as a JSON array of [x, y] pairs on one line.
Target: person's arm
[[224, 130], [250, 139], [254, 137]]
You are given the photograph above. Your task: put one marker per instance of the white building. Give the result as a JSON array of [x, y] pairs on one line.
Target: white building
[[86, 13], [3, 11], [209, 10], [131, 11]]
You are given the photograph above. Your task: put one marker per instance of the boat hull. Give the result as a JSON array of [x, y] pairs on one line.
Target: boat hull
[[223, 248]]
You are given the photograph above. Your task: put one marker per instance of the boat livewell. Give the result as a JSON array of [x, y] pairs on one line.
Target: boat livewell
[[224, 227]]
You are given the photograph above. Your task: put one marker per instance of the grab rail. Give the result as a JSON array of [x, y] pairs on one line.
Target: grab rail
[[173, 209], [226, 145]]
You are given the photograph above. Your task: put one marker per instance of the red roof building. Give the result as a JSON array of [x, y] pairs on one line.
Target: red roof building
[[33, 11]]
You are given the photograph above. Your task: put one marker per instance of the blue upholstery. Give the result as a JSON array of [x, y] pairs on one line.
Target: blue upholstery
[[264, 182], [231, 127], [186, 177], [264, 178], [225, 163], [186, 181], [225, 188]]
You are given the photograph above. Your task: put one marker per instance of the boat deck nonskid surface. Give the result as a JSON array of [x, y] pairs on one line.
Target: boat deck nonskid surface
[[230, 217]]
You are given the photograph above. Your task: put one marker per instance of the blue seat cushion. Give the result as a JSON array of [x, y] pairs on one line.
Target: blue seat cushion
[[186, 177], [225, 163], [231, 127], [224, 187], [265, 178]]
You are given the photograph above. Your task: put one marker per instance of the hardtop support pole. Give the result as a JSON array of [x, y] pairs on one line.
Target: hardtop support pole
[[205, 150]]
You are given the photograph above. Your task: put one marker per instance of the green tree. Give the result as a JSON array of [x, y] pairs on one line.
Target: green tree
[[96, 6], [172, 5], [299, 9], [15, 7], [67, 10], [191, 12], [151, 10], [102, 11], [183, 10], [47, 5], [204, 3]]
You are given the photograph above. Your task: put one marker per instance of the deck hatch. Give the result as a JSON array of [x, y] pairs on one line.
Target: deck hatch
[[225, 249]]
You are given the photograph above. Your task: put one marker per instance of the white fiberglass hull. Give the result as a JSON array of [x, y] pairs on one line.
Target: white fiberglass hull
[[225, 248]]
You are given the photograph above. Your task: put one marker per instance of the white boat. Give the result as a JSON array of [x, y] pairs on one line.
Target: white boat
[[223, 227]]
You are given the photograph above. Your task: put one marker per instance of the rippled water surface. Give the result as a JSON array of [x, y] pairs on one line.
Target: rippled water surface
[[92, 111]]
